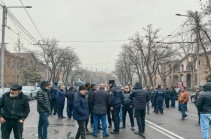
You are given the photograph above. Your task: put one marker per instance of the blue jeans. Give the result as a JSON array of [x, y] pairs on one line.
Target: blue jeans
[[120, 114], [173, 101], [104, 123], [43, 125], [69, 110], [182, 109], [128, 109], [205, 121]]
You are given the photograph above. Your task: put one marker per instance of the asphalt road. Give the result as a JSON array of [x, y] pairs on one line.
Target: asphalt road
[[166, 126]]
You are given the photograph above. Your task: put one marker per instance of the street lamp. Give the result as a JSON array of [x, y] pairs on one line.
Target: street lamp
[[197, 38], [3, 38]]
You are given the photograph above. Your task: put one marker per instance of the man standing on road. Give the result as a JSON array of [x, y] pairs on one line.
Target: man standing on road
[[70, 98], [43, 108], [197, 95], [60, 99], [149, 92], [81, 114], [53, 103], [141, 97], [159, 96], [116, 102], [173, 95], [14, 108], [109, 108], [183, 100], [167, 97], [100, 101], [204, 106], [127, 107]]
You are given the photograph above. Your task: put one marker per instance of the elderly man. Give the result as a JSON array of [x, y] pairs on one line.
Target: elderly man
[[43, 108], [14, 108], [100, 100]]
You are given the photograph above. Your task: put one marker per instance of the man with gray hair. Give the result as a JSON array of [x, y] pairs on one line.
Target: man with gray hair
[[100, 100]]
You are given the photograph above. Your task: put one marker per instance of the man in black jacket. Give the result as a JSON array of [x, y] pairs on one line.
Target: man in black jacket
[[14, 108], [43, 108], [53, 103], [204, 107], [141, 97], [100, 101]]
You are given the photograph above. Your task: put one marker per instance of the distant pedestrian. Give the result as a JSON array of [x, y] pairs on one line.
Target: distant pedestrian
[[141, 97], [70, 98], [81, 113], [173, 95], [183, 100], [116, 103], [197, 95], [159, 96], [14, 109], [154, 98], [148, 103], [127, 107], [43, 108], [167, 97], [204, 106], [152, 95], [100, 101], [60, 99], [53, 103]]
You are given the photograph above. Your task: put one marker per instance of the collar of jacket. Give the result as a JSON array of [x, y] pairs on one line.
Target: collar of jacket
[[81, 95], [126, 92], [19, 96]]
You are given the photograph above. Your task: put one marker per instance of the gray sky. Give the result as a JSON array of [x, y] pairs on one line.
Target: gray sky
[[96, 20]]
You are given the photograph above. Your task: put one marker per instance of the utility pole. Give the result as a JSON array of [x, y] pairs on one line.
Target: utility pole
[[198, 58], [3, 44]]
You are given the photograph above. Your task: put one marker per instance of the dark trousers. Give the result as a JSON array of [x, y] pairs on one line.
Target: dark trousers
[[152, 101], [173, 101], [155, 104], [43, 125], [128, 109], [81, 130], [167, 102], [115, 117], [53, 105], [140, 118], [91, 118], [69, 109], [159, 105], [10, 125], [60, 108], [109, 115]]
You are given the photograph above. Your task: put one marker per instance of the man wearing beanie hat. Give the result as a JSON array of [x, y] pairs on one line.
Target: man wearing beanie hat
[[14, 108], [43, 108], [81, 114], [204, 107]]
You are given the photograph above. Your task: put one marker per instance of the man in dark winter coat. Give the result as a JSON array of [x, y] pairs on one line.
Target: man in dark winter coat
[[53, 103], [14, 108], [90, 107], [141, 97], [100, 101], [116, 103], [60, 99], [159, 97], [167, 97], [109, 108], [70, 98], [204, 106], [43, 108], [81, 114], [127, 107]]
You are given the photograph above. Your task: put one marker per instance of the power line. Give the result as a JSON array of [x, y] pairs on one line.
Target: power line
[[98, 41], [32, 20]]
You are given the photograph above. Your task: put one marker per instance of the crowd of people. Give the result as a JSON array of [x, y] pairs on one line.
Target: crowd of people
[[102, 106]]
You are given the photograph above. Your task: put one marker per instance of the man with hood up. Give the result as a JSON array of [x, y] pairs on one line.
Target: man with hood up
[[140, 99], [116, 103], [43, 108]]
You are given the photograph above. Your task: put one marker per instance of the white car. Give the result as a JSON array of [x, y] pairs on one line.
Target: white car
[[29, 91]]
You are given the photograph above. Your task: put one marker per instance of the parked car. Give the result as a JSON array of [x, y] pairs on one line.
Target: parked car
[[35, 91], [30, 92], [2, 91]]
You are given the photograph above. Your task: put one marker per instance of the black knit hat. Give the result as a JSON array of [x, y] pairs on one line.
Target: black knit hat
[[16, 87], [82, 87], [111, 81]]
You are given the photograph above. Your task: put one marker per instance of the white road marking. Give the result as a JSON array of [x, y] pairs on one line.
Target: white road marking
[[165, 130]]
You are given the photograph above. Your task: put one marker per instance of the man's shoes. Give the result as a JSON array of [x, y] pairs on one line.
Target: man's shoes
[[122, 127], [114, 132], [63, 117], [110, 126], [88, 133], [60, 117], [106, 136], [54, 114], [162, 113], [94, 135], [138, 133], [132, 128], [148, 113], [99, 128]]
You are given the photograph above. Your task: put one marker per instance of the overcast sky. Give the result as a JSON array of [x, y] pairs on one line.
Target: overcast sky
[[96, 20]]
